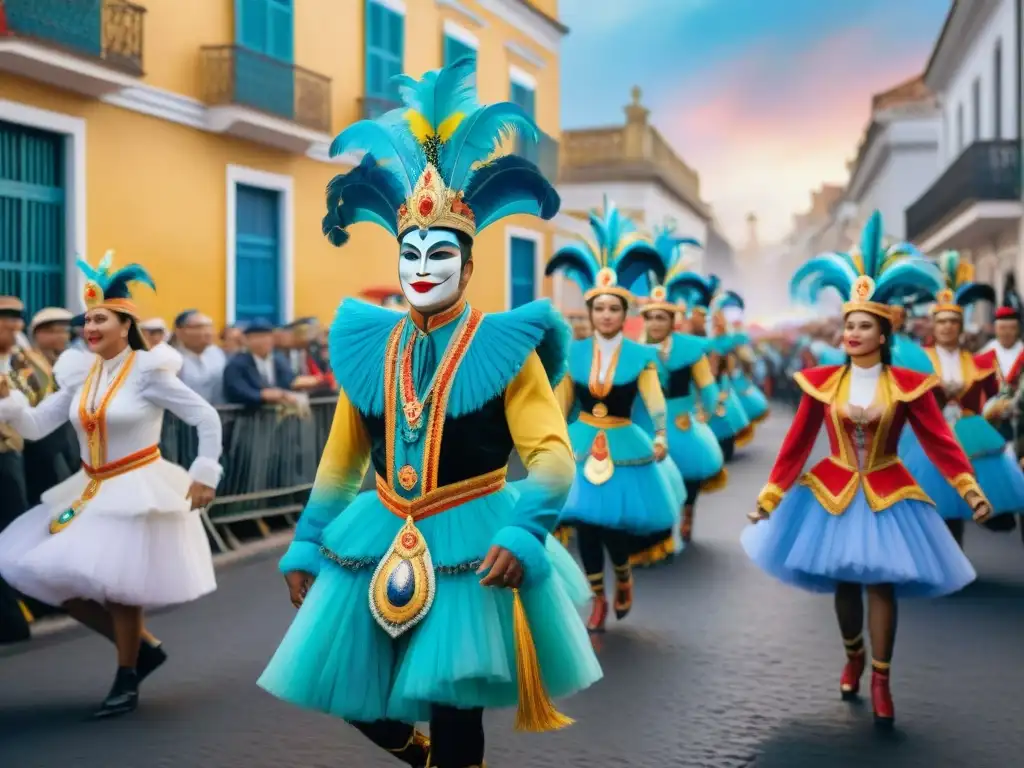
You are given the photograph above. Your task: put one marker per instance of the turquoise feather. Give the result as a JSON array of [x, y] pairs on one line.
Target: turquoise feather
[[116, 284]]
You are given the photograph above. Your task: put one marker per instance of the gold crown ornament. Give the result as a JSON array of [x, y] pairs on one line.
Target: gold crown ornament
[[860, 300], [659, 302], [606, 283], [944, 302], [433, 205]]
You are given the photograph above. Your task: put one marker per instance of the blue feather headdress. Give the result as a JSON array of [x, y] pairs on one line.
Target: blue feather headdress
[[959, 290], [669, 247], [691, 290], [872, 277], [621, 257], [430, 164], [106, 289]]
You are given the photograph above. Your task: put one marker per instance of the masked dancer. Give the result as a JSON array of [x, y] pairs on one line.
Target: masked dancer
[[857, 520], [120, 536], [619, 492], [435, 596]]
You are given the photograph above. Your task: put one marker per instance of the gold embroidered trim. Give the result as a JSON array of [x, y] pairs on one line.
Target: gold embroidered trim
[[603, 422], [440, 499], [833, 504], [826, 392], [770, 497]]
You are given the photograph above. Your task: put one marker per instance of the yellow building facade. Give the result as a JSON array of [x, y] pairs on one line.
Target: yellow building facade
[[192, 136]]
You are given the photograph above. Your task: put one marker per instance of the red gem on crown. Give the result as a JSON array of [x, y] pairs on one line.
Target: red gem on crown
[[403, 210], [90, 292], [427, 176], [426, 206], [409, 539]]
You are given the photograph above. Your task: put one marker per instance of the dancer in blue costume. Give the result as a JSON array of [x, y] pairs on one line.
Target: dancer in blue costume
[[440, 593], [857, 521], [972, 407], [691, 394], [729, 422], [619, 491], [754, 403]]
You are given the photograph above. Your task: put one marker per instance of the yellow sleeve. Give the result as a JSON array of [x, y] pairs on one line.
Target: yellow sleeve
[[345, 460], [565, 395], [654, 399], [702, 373]]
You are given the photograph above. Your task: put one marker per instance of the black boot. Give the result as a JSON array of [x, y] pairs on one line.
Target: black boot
[[150, 659], [124, 694]]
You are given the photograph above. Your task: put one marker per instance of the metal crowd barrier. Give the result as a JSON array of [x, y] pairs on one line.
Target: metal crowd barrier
[[270, 459]]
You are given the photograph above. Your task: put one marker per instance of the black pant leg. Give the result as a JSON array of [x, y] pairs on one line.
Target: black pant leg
[[456, 737], [591, 544], [692, 491]]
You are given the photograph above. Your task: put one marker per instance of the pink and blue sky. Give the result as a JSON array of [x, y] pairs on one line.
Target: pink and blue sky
[[767, 99]]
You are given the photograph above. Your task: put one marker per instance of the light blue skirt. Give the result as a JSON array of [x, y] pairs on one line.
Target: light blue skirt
[[694, 450], [907, 545], [674, 478], [733, 421], [998, 476], [336, 659], [754, 403], [637, 500]]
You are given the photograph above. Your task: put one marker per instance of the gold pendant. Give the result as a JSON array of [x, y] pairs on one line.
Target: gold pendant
[[600, 411], [408, 477], [413, 411], [402, 588], [599, 467], [68, 516], [683, 421]]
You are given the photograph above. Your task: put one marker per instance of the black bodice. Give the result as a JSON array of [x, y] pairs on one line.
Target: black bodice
[[679, 382], [471, 445], [619, 401]]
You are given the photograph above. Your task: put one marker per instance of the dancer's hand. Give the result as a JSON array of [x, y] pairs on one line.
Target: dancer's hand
[[201, 495], [298, 583], [759, 514], [659, 452], [982, 509], [503, 569]]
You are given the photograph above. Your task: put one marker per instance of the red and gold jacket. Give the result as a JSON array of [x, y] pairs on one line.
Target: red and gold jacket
[[980, 374], [902, 396]]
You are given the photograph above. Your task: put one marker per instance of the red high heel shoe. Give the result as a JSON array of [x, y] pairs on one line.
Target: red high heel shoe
[[598, 614], [849, 682], [881, 699], [623, 598]]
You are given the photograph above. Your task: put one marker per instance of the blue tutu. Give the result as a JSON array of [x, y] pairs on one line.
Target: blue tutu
[[695, 449], [998, 476], [907, 545], [730, 420], [754, 403], [336, 659], [674, 478]]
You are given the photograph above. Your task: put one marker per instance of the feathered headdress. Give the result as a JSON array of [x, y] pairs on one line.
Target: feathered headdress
[[1010, 310], [621, 257], [669, 248], [105, 289], [871, 277], [429, 163], [691, 290], [960, 290]]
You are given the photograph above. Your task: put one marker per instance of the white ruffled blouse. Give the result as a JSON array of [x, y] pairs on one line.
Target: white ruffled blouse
[[134, 415]]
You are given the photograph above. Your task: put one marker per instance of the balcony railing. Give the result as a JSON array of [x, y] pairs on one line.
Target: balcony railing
[[372, 107], [543, 154], [235, 75], [986, 171], [108, 30]]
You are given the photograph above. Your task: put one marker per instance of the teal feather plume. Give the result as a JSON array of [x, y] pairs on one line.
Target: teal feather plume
[[479, 135], [115, 284]]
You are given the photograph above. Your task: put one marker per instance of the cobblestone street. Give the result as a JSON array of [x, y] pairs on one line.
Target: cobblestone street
[[717, 666]]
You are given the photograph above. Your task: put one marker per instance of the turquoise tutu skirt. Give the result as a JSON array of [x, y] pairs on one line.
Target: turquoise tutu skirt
[[997, 473], [907, 545], [694, 450], [733, 420], [336, 659], [674, 478], [754, 403]]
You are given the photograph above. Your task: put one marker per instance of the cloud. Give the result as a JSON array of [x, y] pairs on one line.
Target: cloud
[[770, 126]]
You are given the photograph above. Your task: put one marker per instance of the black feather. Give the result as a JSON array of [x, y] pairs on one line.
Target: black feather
[[366, 193]]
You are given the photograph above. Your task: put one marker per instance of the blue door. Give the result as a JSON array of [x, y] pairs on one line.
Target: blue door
[[524, 271], [32, 243], [385, 46], [264, 76], [257, 254]]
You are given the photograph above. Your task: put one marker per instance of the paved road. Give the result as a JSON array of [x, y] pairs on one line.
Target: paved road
[[717, 666]]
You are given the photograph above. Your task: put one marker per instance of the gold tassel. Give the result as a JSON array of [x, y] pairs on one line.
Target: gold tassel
[[29, 618], [536, 712]]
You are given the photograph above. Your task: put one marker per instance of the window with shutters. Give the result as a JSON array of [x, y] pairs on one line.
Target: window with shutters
[[385, 46], [257, 254], [524, 96], [264, 75], [455, 49], [523, 268]]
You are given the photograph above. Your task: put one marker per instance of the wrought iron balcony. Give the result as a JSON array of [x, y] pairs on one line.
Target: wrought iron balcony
[[236, 76], [543, 154], [108, 30], [986, 171], [372, 107]]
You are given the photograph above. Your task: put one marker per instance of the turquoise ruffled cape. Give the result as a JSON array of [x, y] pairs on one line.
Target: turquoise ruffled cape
[[638, 498], [335, 658]]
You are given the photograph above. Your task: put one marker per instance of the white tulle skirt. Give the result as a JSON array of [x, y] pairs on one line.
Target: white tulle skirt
[[136, 542]]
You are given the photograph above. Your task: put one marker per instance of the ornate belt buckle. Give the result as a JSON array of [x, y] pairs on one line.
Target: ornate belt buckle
[[599, 411], [403, 587]]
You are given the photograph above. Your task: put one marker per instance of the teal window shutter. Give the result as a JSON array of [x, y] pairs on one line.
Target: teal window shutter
[[525, 98], [523, 268], [385, 47], [267, 27], [455, 49]]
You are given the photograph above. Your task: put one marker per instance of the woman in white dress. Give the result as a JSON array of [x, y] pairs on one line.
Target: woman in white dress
[[120, 536]]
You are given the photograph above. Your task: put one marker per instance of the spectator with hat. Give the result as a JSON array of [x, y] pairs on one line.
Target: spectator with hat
[[204, 362], [154, 331], [258, 376], [50, 332]]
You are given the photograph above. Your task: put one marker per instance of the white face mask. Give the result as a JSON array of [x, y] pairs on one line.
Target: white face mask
[[430, 268]]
